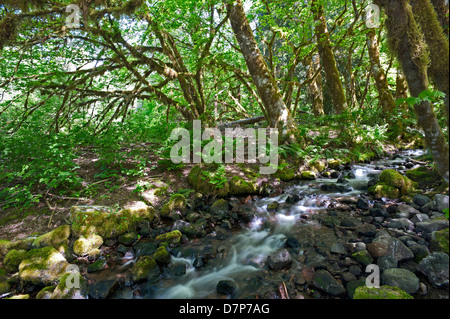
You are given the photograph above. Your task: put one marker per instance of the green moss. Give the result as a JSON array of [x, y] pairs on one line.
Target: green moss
[[333, 163], [384, 292], [363, 257], [382, 190], [128, 238], [202, 184], [308, 175], [440, 241], [20, 297], [161, 255], [4, 287], [392, 184], [54, 238], [106, 222], [145, 268], [423, 176], [83, 245], [13, 259], [4, 247], [176, 202], [173, 237], [42, 266], [238, 186], [285, 174], [63, 291], [45, 293]]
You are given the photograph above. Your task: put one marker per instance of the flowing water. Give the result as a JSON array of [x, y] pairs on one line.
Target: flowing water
[[242, 256]]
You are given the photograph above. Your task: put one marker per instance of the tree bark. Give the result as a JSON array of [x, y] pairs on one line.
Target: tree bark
[[333, 80], [442, 10], [278, 114], [381, 82], [406, 40], [427, 18], [315, 86]]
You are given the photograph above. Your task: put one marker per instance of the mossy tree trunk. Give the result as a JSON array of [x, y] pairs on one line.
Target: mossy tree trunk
[[381, 81], [437, 42], [442, 9], [315, 85], [406, 40], [333, 80], [276, 110]]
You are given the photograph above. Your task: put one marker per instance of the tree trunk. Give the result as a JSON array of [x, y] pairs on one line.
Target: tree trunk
[[381, 82], [406, 40], [442, 10], [401, 86], [315, 86], [279, 115], [427, 18], [327, 56]]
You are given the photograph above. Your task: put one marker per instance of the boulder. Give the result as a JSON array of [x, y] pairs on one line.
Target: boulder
[[366, 230], [145, 269], [430, 226], [436, 268], [281, 259], [226, 287], [54, 238], [392, 184], [401, 278], [420, 200], [177, 203], [324, 281], [42, 266], [173, 238], [13, 259], [201, 182], [389, 246], [68, 288], [363, 257], [439, 241], [103, 289], [308, 175], [239, 186], [220, 208], [84, 245]]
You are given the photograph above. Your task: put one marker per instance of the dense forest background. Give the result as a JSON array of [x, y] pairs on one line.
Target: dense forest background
[[340, 79]]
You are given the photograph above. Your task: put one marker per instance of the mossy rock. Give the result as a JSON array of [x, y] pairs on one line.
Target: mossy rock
[[173, 237], [4, 247], [138, 210], [46, 293], [392, 184], [239, 186], [145, 269], [176, 202], [201, 183], [128, 238], [439, 241], [42, 266], [363, 257], [285, 174], [54, 238], [333, 163], [220, 208], [72, 291], [423, 176], [83, 245], [13, 259], [161, 255], [106, 222], [4, 287], [384, 292], [24, 296], [308, 175]]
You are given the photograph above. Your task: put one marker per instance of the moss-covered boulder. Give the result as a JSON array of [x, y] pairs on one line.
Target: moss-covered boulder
[[138, 210], [42, 266], [333, 163], [173, 238], [308, 175], [285, 174], [13, 259], [161, 255], [363, 257], [4, 247], [177, 202], [239, 186], [128, 239], [145, 269], [84, 245], [201, 183], [220, 208], [55, 238], [439, 241], [23, 296], [392, 184], [67, 288], [384, 292], [46, 292], [424, 176], [106, 222]]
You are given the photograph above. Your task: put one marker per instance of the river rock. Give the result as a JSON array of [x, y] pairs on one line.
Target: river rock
[[83, 245], [384, 292], [440, 202], [145, 269], [363, 257], [281, 259], [430, 226], [389, 246], [220, 208], [366, 230], [386, 262], [436, 268], [226, 287], [401, 278], [103, 289], [42, 266], [324, 281], [420, 200], [418, 218], [54, 238], [401, 223], [362, 203]]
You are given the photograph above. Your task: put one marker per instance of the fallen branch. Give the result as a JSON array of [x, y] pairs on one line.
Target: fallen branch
[[243, 122]]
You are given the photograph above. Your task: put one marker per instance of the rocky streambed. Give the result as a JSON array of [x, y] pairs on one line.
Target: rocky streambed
[[308, 238]]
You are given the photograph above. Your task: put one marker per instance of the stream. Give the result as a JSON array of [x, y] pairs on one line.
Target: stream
[[242, 257]]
